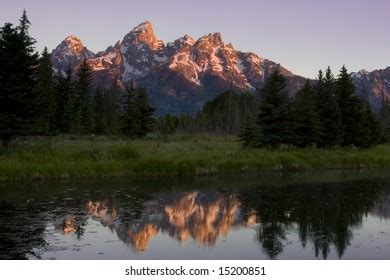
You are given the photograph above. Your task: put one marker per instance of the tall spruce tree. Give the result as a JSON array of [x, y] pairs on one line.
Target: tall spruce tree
[[249, 134], [167, 124], [351, 110], [306, 123], [18, 97], [100, 118], [328, 110], [144, 114], [84, 122], [112, 108], [384, 119], [274, 116], [131, 122], [372, 131], [138, 115], [46, 95], [66, 99], [60, 101]]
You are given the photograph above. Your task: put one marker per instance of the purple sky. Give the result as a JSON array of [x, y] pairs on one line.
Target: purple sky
[[302, 35]]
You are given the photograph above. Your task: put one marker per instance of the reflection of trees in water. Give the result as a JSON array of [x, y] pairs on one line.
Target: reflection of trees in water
[[271, 236], [381, 207], [21, 230], [324, 214]]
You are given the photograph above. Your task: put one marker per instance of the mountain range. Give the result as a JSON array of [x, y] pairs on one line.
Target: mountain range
[[181, 76]]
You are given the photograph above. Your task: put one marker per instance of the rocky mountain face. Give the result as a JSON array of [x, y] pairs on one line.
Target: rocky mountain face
[[180, 76], [69, 54], [373, 86]]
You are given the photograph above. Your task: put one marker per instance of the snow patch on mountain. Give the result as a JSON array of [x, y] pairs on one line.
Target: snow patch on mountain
[[160, 59], [131, 72]]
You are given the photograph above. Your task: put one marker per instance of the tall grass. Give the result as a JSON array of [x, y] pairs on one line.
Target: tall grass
[[183, 155]]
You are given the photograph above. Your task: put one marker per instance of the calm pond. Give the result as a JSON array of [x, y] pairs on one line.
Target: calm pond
[[315, 215]]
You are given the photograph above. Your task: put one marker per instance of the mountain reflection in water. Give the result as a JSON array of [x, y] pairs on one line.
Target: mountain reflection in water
[[228, 218], [183, 217]]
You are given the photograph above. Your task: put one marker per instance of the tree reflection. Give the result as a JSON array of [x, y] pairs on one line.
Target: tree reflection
[[21, 230], [324, 215], [271, 236]]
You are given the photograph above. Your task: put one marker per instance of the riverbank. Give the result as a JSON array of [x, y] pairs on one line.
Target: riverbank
[[183, 155]]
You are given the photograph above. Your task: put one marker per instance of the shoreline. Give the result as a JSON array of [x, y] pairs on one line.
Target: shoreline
[[59, 158]]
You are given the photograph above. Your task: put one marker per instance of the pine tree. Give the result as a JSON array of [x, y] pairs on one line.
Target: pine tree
[[384, 119], [24, 25], [328, 110], [372, 131], [18, 97], [168, 124], [46, 95], [131, 122], [306, 123], [112, 108], [100, 118], [250, 134], [84, 122], [351, 110], [274, 114], [66, 99], [144, 114]]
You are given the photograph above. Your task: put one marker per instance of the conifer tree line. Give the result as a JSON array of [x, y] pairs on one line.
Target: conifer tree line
[[325, 114], [223, 115], [384, 118], [36, 101]]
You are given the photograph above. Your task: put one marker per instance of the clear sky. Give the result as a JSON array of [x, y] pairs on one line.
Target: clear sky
[[302, 35]]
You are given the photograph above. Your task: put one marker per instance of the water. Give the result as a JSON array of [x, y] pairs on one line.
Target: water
[[317, 215]]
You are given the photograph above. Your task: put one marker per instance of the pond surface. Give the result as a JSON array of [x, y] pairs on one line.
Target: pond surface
[[317, 215]]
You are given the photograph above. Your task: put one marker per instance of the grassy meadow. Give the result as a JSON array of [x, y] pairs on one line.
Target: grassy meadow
[[183, 155]]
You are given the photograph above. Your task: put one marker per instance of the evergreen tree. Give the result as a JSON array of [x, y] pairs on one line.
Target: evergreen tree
[[328, 110], [84, 118], [351, 110], [66, 99], [18, 64], [112, 108], [168, 124], [100, 118], [250, 134], [144, 114], [46, 95], [384, 118], [24, 25], [274, 114], [306, 123], [372, 132], [131, 122]]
